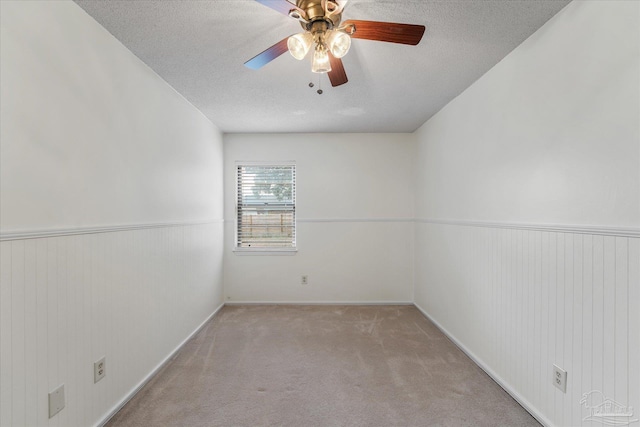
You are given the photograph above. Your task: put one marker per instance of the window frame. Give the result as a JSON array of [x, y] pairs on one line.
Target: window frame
[[264, 250]]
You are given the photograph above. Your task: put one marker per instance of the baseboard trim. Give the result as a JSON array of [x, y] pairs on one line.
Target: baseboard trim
[[118, 406], [499, 380], [319, 303]]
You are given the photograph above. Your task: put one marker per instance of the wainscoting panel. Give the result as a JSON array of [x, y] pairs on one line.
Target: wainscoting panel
[[66, 301], [521, 300]]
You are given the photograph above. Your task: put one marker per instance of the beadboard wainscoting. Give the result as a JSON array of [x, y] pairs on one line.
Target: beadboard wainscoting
[[519, 301], [133, 296]]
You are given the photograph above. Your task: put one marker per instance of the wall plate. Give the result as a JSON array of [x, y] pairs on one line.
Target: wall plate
[[560, 378], [56, 401], [99, 369]]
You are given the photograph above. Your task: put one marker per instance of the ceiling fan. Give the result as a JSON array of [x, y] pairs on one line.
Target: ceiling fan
[[322, 23]]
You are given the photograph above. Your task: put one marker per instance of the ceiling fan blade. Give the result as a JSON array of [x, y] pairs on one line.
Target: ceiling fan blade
[[263, 58], [282, 6], [385, 31], [337, 75]]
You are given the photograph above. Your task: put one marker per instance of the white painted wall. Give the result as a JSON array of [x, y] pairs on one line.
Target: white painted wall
[[354, 211], [92, 139], [86, 140], [550, 135]]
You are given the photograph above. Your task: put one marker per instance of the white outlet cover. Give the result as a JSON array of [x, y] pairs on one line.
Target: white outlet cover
[[56, 401], [99, 369], [560, 378]]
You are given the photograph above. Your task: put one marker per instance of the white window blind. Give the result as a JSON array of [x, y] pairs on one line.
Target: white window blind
[[266, 206]]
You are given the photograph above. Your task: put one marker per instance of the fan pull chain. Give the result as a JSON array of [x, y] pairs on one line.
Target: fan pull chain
[[311, 85]]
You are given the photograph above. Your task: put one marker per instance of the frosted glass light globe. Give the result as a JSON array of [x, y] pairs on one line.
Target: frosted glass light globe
[[299, 45], [320, 61], [339, 43]]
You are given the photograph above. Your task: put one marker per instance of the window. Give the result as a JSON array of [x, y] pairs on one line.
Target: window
[[266, 207]]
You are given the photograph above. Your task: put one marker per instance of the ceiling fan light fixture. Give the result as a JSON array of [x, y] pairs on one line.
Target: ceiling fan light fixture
[[321, 62], [299, 45], [339, 43], [323, 28]]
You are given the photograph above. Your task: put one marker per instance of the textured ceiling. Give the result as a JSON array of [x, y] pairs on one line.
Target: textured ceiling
[[199, 47]]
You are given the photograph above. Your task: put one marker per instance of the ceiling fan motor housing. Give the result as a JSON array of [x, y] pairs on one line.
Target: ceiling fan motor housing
[[315, 13]]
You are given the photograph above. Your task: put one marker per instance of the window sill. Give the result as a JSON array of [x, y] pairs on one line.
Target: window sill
[[265, 251]]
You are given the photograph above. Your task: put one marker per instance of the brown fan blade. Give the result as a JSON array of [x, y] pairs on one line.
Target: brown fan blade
[[282, 6], [263, 58], [337, 75], [385, 31]]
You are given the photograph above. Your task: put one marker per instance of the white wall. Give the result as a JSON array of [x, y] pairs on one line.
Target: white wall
[[117, 181], [528, 208], [86, 140], [111, 216], [354, 211], [550, 134]]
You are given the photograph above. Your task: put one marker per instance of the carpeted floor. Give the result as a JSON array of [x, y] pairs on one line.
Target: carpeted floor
[[321, 366]]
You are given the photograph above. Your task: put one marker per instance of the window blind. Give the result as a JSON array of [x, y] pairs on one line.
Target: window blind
[[266, 208]]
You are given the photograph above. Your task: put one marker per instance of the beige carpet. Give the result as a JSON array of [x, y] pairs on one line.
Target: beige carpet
[[321, 366]]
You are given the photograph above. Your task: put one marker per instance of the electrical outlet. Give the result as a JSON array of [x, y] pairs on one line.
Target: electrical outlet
[[560, 378], [99, 369], [56, 401], [304, 280]]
